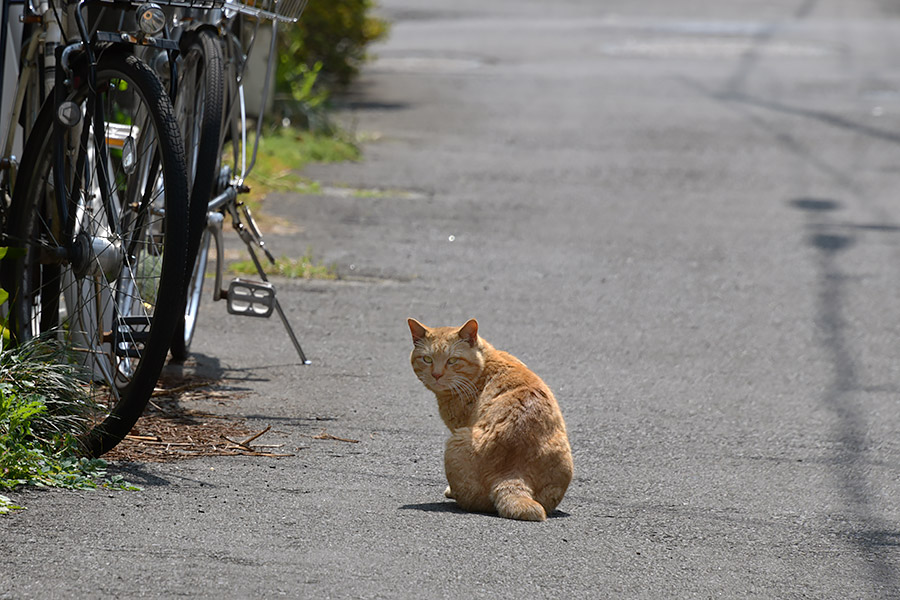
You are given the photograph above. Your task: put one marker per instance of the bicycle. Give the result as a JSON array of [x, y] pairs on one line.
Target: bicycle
[[97, 215], [211, 38]]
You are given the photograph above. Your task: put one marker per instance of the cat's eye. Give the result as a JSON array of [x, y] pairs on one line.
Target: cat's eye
[[427, 360], [452, 360]]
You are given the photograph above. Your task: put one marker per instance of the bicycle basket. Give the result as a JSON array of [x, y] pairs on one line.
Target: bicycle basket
[[284, 11]]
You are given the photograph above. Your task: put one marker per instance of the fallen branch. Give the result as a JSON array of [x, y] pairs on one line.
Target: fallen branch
[[246, 449], [265, 454], [250, 439], [143, 438], [256, 447], [327, 436], [181, 388], [237, 444], [246, 443]]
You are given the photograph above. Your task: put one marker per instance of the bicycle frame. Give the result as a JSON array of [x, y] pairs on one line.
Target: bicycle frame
[[25, 82], [88, 128], [22, 83], [50, 36], [231, 185]]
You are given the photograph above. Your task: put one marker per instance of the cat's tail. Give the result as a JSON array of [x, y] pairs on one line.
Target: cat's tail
[[512, 498]]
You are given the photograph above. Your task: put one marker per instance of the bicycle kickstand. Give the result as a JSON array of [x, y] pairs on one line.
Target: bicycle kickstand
[[252, 298]]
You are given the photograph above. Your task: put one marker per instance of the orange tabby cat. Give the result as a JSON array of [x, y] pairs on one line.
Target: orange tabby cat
[[508, 451]]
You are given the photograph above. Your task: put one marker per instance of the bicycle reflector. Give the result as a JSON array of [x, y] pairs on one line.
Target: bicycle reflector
[[151, 18]]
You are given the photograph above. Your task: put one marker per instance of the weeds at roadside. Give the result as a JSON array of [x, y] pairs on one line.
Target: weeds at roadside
[[284, 152], [7, 505], [44, 409], [304, 267]]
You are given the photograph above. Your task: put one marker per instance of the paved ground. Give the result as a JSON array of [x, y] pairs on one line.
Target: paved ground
[[682, 214]]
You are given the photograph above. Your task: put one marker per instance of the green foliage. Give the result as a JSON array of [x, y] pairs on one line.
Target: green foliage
[[284, 152], [39, 381], [43, 410], [325, 48], [7, 505], [296, 268], [4, 295], [303, 91], [293, 149]]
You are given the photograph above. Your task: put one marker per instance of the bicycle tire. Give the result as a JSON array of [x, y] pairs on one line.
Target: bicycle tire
[[102, 281], [198, 108]]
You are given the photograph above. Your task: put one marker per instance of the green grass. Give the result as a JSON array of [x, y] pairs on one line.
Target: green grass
[[285, 151], [7, 505], [304, 267], [44, 408]]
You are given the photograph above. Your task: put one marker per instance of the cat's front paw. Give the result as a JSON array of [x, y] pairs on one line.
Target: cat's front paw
[[448, 493]]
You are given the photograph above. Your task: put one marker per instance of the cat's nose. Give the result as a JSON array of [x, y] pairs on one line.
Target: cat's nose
[[436, 375]]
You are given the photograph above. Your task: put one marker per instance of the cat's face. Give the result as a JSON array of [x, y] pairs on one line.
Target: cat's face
[[447, 358]]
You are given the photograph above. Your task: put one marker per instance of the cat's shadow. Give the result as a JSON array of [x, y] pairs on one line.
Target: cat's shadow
[[451, 507], [448, 507]]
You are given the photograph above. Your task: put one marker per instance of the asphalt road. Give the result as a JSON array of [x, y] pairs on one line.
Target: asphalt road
[[682, 214]]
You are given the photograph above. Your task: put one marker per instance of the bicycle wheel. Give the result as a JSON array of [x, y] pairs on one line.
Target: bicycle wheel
[[187, 324], [198, 108], [100, 270]]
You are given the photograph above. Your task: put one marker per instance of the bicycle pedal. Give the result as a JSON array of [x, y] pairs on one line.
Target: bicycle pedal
[[130, 335], [251, 298]]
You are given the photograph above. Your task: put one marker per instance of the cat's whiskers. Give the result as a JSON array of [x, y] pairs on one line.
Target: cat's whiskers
[[456, 390], [463, 388]]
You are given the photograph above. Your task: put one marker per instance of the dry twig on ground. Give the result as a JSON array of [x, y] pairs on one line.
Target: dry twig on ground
[[324, 435], [169, 431]]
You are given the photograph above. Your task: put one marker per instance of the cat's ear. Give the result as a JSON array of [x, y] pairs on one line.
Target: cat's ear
[[469, 332], [418, 330]]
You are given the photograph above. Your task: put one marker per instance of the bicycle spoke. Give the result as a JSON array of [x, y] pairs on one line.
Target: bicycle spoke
[[97, 286]]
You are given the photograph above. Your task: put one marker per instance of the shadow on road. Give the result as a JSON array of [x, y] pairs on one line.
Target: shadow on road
[[830, 239], [137, 474], [451, 507], [448, 507]]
